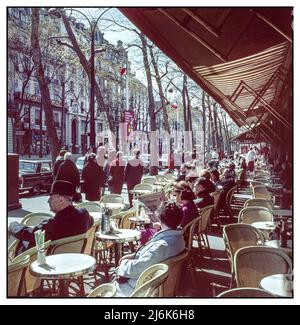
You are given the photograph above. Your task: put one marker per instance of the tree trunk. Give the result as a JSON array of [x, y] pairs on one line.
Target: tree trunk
[[160, 91], [87, 68], [216, 125], [153, 146], [204, 118], [45, 94]]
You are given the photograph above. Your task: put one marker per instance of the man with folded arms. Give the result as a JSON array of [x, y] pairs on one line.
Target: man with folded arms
[[68, 220]]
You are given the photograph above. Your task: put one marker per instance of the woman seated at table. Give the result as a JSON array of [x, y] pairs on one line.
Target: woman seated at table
[[166, 243], [202, 193], [185, 196], [215, 178]]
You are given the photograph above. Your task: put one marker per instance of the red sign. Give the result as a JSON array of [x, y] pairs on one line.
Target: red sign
[[129, 120], [129, 116]]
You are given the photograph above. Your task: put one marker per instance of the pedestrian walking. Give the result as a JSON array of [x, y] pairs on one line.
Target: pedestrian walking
[[133, 173], [93, 178], [116, 178]]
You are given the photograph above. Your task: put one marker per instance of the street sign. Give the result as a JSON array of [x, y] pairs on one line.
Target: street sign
[[129, 116]]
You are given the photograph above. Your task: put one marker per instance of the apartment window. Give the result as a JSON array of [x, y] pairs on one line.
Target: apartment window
[[71, 102], [36, 89], [99, 127], [72, 85], [56, 120], [82, 107], [37, 117], [83, 124]]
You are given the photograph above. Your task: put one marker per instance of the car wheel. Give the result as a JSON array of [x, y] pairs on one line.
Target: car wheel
[[36, 190]]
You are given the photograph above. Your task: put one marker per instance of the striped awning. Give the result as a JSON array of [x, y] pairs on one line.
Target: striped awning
[[242, 57]]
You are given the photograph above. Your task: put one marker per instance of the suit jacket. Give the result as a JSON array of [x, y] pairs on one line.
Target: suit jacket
[[163, 245], [67, 222]]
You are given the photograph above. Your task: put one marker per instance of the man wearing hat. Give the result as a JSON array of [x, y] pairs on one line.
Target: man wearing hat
[[68, 220]]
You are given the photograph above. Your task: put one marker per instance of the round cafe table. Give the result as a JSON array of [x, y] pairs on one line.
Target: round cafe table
[[62, 267], [96, 215], [138, 222], [280, 285], [124, 236]]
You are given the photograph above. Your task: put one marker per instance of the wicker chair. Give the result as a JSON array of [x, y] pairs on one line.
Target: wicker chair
[[245, 293], [16, 276], [261, 192], [253, 263], [72, 244], [168, 188], [144, 187], [189, 233], [160, 178], [30, 220], [149, 283], [255, 183], [229, 199], [90, 206], [201, 230], [217, 200], [90, 242], [259, 203], [31, 282], [149, 180], [105, 290], [33, 219], [170, 177], [254, 214], [263, 180], [112, 198], [171, 285], [238, 235]]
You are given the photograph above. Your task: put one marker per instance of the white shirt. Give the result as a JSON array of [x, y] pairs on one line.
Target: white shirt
[[214, 155], [251, 155]]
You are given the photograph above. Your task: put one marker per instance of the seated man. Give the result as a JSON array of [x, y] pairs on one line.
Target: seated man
[[166, 243], [68, 220]]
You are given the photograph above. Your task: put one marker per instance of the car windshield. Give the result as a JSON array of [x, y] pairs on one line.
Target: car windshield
[[24, 165]]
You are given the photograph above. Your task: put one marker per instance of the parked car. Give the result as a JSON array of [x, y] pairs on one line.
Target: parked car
[[80, 163], [35, 176]]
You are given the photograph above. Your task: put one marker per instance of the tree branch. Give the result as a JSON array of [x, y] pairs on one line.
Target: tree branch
[[59, 42]]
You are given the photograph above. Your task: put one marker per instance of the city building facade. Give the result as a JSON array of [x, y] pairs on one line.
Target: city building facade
[[69, 88]]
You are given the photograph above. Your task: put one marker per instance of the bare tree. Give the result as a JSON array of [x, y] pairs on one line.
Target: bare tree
[[86, 64], [44, 84]]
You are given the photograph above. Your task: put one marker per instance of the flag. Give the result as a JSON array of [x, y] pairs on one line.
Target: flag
[[122, 71], [174, 105]]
